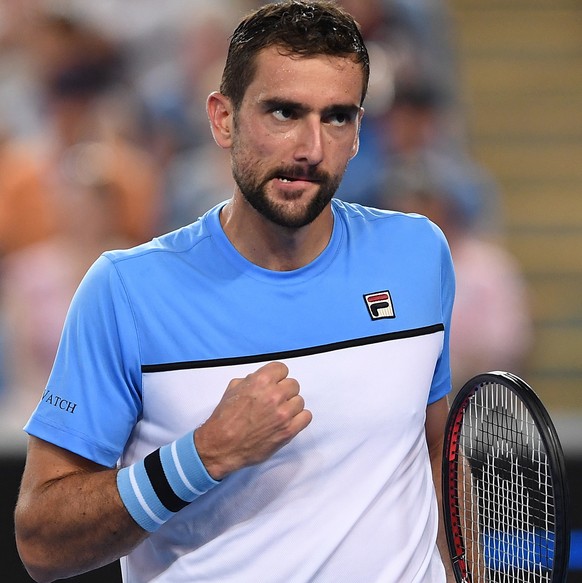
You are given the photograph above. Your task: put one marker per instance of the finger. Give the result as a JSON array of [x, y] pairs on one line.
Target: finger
[[264, 375], [288, 388], [301, 421], [297, 424], [275, 371], [295, 405]]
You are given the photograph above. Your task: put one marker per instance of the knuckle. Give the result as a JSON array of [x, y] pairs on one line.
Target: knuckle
[[282, 417], [260, 378], [233, 384]]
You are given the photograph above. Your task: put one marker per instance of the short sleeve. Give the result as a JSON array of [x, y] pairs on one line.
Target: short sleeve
[[442, 382], [93, 396]]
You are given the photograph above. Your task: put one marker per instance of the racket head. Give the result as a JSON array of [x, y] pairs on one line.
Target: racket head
[[502, 408]]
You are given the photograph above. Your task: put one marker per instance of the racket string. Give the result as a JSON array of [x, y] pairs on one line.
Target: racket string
[[506, 505]]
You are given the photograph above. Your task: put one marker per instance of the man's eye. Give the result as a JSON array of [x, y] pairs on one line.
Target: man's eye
[[283, 114], [340, 119]]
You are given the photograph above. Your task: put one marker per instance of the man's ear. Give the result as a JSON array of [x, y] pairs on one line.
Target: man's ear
[[356, 145], [220, 113]]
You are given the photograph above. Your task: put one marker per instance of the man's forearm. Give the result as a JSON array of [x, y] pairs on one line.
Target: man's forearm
[[436, 460], [436, 419], [80, 524]]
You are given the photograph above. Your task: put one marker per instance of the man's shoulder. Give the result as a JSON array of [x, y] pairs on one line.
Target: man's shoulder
[[355, 214], [179, 241]]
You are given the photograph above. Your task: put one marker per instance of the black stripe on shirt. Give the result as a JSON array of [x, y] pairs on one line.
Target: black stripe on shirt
[[218, 362]]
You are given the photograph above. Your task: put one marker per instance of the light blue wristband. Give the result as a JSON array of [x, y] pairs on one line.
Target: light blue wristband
[[166, 481]]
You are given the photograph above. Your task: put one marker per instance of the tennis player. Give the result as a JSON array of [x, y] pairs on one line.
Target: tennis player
[[260, 395]]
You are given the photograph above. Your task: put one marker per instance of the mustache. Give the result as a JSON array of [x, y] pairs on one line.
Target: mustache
[[300, 173]]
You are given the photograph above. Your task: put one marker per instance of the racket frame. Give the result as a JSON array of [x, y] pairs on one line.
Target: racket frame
[[450, 494]]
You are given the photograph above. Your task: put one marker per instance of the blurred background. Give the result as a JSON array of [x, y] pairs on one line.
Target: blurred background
[[474, 118]]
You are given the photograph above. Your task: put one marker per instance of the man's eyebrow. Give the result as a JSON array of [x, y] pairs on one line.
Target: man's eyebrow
[[282, 103], [345, 108]]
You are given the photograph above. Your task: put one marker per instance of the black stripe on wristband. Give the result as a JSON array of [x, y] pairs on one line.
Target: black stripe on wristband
[[165, 493]]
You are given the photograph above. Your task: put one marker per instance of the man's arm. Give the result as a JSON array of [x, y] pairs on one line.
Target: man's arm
[[436, 417], [70, 517]]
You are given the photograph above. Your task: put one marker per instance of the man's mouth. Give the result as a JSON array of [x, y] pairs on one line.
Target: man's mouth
[[289, 179]]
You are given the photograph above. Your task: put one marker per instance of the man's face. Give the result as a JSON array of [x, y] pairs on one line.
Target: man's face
[[294, 134]]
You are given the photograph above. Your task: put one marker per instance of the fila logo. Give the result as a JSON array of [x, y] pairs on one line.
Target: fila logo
[[380, 305]]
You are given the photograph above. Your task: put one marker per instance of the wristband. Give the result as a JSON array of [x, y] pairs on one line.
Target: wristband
[[163, 483]]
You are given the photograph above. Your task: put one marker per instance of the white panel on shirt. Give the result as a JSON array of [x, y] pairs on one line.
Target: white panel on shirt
[[350, 499]]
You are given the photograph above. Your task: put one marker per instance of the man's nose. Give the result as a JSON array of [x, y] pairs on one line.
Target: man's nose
[[310, 140]]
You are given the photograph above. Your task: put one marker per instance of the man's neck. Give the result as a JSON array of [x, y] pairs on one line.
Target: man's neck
[[272, 246]]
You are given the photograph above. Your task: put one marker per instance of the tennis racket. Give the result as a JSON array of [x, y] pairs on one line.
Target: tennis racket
[[504, 485]]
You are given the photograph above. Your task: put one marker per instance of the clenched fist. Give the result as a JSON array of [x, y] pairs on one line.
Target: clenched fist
[[256, 416]]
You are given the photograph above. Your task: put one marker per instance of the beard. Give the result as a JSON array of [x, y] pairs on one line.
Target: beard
[[293, 214]]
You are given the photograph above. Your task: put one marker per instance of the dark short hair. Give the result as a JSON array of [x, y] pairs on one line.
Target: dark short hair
[[297, 27]]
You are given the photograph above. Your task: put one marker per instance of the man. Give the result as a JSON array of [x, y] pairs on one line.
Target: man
[[271, 379]]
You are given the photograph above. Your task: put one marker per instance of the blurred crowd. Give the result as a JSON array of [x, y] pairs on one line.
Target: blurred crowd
[[104, 143]]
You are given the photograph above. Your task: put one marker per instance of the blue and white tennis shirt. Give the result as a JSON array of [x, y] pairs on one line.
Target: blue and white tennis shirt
[[154, 335]]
